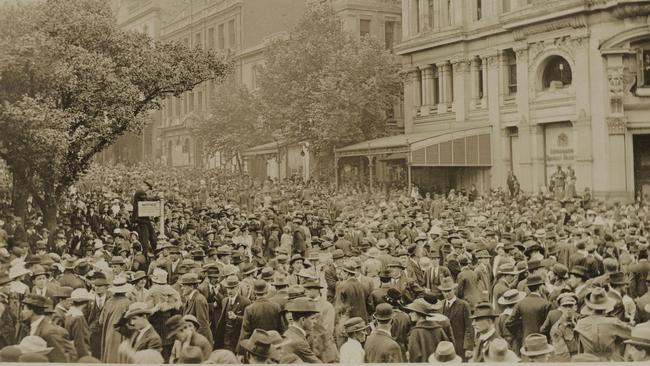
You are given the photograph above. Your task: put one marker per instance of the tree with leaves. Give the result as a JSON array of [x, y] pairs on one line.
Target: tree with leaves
[[235, 121], [322, 85], [72, 82]]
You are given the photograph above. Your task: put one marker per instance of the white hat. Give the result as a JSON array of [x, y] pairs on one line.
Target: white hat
[[98, 244], [159, 276], [17, 271], [34, 344], [80, 294]]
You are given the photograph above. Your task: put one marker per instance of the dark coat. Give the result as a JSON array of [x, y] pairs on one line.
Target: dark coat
[[57, 337], [197, 305], [261, 314], [424, 339], [149, 340], [351, 298], [382, 348], [7, 329], [79, 331], [432, 279], [461, 325], [529, 315], [227, 328], [401, 329], [468, 289], [299, 346], [331, 279], [481, 347], [200, 341], [638, 284], [299, 241]]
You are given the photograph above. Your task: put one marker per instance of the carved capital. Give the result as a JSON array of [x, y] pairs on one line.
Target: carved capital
[[493, 62], [461, 65], [616, 125], [631, 10]]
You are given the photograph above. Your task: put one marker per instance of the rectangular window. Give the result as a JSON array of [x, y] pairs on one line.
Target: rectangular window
[[190, 101], [197, 40], [451, 83], [210, 38], [449, 13], [199, 97], [511, 71], [389, 34], [231, 34], [364, 27], [432, 14], [644, 71], [221, 37], [479, 9]]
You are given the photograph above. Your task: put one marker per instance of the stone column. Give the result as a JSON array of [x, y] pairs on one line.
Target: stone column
[[444, 19], [460, 85], [616, 129], [424, 15], [447, 87], [474, 71], [529, 179], [484, 64], [417, 89], [582, 122], [499, 138], [406, 18], [425, 74], [430, 86]]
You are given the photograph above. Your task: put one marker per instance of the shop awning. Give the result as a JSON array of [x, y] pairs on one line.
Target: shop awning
[[469, 147], [264, 149]]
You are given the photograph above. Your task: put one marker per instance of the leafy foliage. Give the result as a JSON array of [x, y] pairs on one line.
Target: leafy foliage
[[322, 85], [71, 83]]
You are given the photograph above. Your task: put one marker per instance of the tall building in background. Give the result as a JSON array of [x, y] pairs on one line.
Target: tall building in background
[[528, 86]]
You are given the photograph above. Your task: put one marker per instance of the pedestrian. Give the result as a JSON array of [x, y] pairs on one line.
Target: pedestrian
[[257, 348], [302, 314], [445, 353], [498, 352], [508, 301], [458, 312], [76, 324], [144, 337], [184, 335], [425, 334], [536, 348], [483, 323], [637, 347], [530, 313], [195, 303], [231, 315], [564, 339], [111, 313], [380, 347], [41, 326], [352, 352], [261, 313]]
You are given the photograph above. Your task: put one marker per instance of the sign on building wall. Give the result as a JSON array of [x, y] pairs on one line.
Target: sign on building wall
[[560, 147]]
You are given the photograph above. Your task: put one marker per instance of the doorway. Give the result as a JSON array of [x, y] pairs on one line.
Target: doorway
[[641, 145]]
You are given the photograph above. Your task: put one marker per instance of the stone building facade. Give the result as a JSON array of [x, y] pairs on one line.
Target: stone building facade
[[527, 86]]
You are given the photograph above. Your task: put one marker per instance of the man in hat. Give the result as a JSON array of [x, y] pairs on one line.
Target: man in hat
[[351, 294], [260, 314], [458, 312], [111, 313], [299, 244], [641, 304], [380, 347], [385, 282], [184, 335], [257, 348], [69, 278], [599, 333], [195, 303], [99, 291], [75, 321], [506, 276], [498, 352], [40, 325], [303, 313], [637, 347], [142, 224], [322, 335], [231, 315], [144, 337], [563, 337], [536, 348], [508, 301], [41, 284], [530, 313], [425, 334], [352, 352], [483, 324], [7, 319]]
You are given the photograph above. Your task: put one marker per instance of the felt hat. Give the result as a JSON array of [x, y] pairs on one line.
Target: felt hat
[[35, 301], [498, 351], [189, 279], [618, 278], [446, 284], [483, 310], [191, 355], [34, 344], [80, 295], [192, 319], [599, 300], [267, 273], [507, 269], [312, 283], [301, 305], [295, 291], [260, 287], [231, 281], [420, 306], [354, 324], [137, 308], [640, 336], [159, 276], [259, 344], [174, 325], [445, 353], [137, 276], [535, 345], [280, 280], [560, 271], [534, 280], [579, 271], [296, 257], [511, 296], [120, 285], [383, 311]]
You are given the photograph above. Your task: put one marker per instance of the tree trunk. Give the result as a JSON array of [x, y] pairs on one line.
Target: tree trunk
[[19, 196], [50, 215]]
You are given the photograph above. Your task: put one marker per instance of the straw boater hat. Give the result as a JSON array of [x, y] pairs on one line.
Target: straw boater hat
[[536, 345], [511, 296], [445, 352]]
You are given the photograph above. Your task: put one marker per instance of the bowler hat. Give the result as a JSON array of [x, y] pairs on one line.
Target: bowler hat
[[259, 287], [560, 271], [383, 311], [259, 344], [534, 280], [535, 345]]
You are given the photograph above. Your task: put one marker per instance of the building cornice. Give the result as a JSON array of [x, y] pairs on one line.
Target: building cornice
[[139, 15]]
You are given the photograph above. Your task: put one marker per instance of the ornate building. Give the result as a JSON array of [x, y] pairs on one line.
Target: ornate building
[[527, 86]]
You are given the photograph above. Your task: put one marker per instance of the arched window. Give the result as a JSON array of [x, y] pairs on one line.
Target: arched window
[[557, 71]]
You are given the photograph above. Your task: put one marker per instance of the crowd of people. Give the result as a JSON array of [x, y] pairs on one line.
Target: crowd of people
[[294, 272]]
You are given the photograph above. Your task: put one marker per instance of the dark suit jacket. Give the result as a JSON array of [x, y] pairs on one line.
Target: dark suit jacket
[[638, 285], [424, 339], [529, 315], [57, 337], [432, 279], [261, 314], [481, 347], [351, 298], [299, 346], [331, 279], [229, 328], [461, 325], [200, 341], [149, 340], [468, 287], [197, 305], [381, 348]]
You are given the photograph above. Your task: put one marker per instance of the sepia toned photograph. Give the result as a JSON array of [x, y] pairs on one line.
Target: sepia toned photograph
[[324, 181]]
